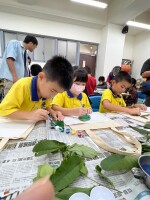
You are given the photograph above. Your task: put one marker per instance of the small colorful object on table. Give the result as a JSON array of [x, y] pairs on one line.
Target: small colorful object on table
[[80, 134], [73, 132], [68, 130], [85, 118], [58, 125]]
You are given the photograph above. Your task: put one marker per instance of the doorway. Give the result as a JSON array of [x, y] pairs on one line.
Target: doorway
[[88, 56]]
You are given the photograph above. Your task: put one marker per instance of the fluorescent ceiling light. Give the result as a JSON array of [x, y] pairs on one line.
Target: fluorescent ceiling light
[[94, 3], [138, 24]]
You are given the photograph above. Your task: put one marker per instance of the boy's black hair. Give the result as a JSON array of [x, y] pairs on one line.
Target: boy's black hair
[[35, 69], [80, 75], [88, 69], [133, 81], [75, 67], [122, 76], [59, 69], [30, 38], [101, 78]]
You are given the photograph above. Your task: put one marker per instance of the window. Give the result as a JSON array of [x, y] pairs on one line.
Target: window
[[9, 36], [39, 51], [72, 52], [49, 48], [62, 48]]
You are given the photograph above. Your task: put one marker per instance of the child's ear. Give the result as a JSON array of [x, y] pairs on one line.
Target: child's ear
[[41, 75], [113, 82]]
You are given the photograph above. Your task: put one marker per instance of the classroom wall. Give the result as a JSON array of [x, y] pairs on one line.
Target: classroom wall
[[48, 28], [128, 47], [141, 52], [110, 51]]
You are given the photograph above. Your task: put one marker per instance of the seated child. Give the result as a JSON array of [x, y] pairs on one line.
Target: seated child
[[35, 69], [133, 95], [112, 99], [102, 84], [29, 98], [74, 101]]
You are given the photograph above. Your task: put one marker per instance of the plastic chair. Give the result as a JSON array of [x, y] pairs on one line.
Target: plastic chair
[[95, 102], [141, 98]]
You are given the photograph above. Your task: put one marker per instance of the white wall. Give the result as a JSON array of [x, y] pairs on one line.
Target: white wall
[[128, 47], [49, 28], [111, 49], [141, 52]]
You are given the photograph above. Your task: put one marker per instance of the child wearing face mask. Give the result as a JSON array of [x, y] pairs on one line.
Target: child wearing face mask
[[74, 102]]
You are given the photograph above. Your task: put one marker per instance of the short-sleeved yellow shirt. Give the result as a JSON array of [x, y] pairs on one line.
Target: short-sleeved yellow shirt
[[23, 96], [108, 95], [67, 100]]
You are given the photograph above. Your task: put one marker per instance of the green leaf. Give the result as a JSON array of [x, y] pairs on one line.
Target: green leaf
[[145, 147], [48, 146], [99, 171], [141, 131], [146, 153], [119, 162], [84, 170], [67, 192], [68, 171], [56, 198], [46, 170], [83, 151], [147, 126]]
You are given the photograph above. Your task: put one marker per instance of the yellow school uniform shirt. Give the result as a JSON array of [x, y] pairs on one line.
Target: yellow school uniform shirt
[[67, 100], [23, 96], [108, 95]]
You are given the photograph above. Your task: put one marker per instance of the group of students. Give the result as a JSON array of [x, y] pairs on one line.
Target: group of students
[[58, 90]]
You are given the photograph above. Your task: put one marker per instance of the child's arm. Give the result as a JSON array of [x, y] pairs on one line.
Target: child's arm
[[141, 106], [72, 111], [36, 115], [109, 106]]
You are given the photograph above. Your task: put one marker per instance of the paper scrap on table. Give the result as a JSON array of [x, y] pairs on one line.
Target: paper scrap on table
[[95, 118], [148, 110], [13, 128]]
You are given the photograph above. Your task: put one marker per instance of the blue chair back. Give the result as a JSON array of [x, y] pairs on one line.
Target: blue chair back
[[95, 102]]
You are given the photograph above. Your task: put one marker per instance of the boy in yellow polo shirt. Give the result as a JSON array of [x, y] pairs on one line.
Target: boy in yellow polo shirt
[[74, 102], [29, 98], [112, 99]]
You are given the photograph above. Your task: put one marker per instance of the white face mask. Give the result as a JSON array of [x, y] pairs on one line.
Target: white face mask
[[77, 89]]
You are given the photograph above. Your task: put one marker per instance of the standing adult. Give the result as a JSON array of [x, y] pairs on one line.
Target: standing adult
[[14, 64], [91, 83], [145, 73]]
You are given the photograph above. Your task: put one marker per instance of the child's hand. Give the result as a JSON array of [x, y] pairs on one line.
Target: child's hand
[[39, 114], [58, 115], [142, 107], [89, 110], [134, 111], [81, 111]]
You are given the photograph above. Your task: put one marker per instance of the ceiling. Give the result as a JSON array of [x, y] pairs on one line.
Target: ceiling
[[117, 12]]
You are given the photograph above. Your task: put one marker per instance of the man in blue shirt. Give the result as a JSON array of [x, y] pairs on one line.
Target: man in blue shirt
[[14, 64]]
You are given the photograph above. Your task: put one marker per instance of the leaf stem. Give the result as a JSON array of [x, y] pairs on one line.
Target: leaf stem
[[102, 184]]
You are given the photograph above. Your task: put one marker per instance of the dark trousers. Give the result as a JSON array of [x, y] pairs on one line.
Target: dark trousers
[[147, 102]]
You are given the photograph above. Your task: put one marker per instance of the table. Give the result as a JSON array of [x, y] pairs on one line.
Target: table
[[18, 166]]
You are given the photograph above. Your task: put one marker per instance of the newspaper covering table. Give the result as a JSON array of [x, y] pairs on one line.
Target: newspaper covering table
[[18, 165]]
